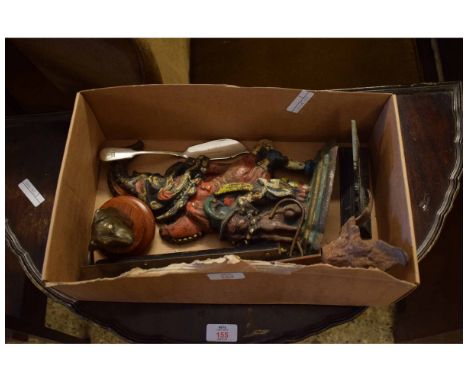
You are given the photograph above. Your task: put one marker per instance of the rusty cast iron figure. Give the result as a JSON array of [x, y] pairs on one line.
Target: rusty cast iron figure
[[349, 250]]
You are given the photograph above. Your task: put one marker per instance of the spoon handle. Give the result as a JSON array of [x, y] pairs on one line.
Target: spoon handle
[[110, 154], [157, 152]]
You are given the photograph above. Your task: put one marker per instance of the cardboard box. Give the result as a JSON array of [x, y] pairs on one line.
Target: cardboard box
[[172, 117]]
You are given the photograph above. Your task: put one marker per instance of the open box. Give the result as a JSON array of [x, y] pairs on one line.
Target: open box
[[172, 117]]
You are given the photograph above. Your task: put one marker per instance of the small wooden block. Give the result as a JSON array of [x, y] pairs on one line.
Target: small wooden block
[[143, 222]]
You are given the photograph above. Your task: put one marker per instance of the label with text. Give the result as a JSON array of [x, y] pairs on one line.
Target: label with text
[[31, 192], [226, 276], [300, 101], [221, 333]]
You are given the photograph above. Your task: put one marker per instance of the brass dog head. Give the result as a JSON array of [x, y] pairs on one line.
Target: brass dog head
[[111, 229]]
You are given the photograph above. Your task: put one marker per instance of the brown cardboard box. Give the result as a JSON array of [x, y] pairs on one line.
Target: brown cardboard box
[[172, 117]]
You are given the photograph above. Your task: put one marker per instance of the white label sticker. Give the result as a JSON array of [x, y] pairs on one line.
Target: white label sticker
[[226, 276], [31, 192], [299, 102], [221, 333]]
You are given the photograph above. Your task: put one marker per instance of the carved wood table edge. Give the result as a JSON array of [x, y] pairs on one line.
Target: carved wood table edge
[[455, 90]]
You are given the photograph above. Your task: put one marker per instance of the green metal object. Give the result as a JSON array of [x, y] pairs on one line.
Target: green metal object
[[359, 190], [321, 187]]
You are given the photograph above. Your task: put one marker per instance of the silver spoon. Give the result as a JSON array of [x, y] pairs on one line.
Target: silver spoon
[[215, 150]]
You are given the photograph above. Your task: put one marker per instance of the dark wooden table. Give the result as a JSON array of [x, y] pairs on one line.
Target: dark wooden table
[[432, 131]]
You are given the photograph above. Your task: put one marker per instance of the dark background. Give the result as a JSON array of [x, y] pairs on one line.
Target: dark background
[[43, 75]]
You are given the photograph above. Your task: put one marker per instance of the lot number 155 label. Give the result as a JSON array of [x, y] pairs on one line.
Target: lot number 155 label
[[221, 333]]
